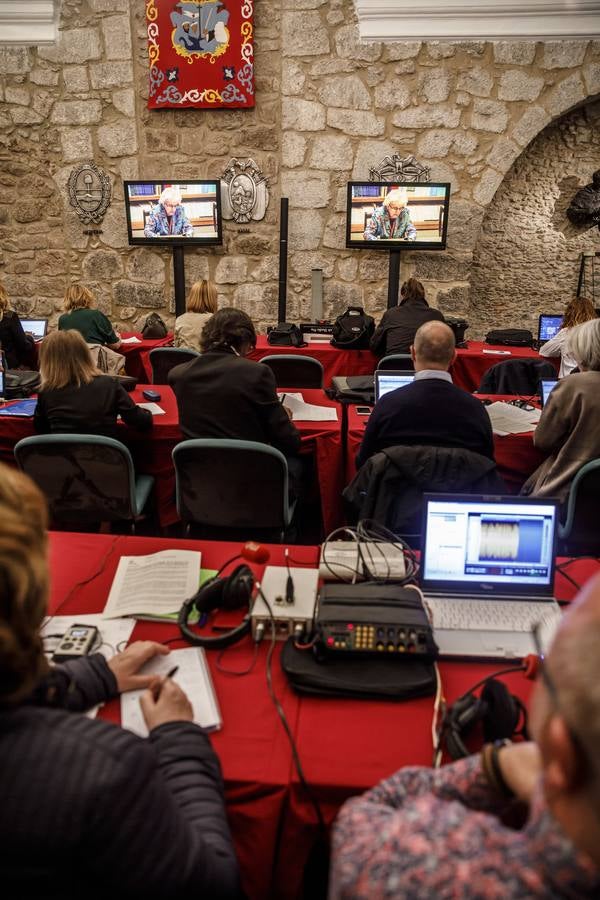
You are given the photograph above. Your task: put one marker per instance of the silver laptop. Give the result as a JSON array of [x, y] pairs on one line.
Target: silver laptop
[[548, 326], [546, 387], [487, 573], [37, 328], [387, 380]]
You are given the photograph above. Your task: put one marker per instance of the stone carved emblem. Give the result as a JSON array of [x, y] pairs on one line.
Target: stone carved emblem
[[397, 168], [244, 191], [89, 192]]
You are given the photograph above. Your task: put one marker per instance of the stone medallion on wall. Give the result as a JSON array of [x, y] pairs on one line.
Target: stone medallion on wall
[[399, 168], [244, 191], [89, 192]]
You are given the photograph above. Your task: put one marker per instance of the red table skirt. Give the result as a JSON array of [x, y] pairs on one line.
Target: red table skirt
[[137, 362]]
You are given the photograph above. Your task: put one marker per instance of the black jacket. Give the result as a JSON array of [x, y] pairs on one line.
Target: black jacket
[[220, 395], [429, 411], [89, 409], [89, 809], [17, 346], [396, 331], [516, 376]]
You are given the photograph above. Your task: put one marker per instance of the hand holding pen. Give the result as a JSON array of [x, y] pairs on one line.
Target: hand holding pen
[[166, 702]]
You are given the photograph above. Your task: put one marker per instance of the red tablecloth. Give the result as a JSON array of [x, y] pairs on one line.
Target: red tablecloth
[[137, 363], [473, 361]]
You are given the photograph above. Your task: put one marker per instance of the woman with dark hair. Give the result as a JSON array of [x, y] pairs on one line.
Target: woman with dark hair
[[88, 807], [577, 311], [18, 347], [396, 331], [223, 395]]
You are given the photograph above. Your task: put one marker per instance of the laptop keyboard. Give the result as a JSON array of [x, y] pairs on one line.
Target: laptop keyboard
[[490, 615]]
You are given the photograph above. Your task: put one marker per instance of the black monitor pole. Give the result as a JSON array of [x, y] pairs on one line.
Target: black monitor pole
[[179, 279], [283, 247], [393, 278]]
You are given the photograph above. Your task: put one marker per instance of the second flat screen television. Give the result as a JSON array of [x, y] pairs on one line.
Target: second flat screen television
[[168, 212], [384, 215]]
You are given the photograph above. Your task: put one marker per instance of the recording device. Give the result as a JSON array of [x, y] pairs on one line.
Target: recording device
[[373, 618], [415, 215], [363, 410], [75, 643], [151, 395], [320, 327], [291, 594]]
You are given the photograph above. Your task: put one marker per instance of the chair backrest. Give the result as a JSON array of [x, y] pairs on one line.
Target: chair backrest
[[396, 361], [236, 485], [516, 376], [163, 359], [84, 477], [295, 370], [580, 528]]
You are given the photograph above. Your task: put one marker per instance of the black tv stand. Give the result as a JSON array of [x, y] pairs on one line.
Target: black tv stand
[[179, 278], [393, 278]]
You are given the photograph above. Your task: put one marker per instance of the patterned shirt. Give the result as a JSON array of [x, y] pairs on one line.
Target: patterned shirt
[[435, 834], [382, 226], [159, 223]]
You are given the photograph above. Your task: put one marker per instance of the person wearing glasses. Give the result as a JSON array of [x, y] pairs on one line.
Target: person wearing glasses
[[443, 833], [391, 219], [168, 218]]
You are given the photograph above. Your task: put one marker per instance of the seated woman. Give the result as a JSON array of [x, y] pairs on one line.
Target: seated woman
[[201, 304], [396, 331], [168, 218], [391, 219], [18, 347], [75, 398], [92, 324], [125, 816], [578, 311], [568, 428]]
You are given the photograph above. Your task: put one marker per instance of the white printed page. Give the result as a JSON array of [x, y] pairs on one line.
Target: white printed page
[[154, 408], [154, 585], [308, 412], [507, 419]]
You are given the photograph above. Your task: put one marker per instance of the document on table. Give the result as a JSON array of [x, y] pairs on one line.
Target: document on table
[[153, 586], [307, 412], [154, 408], [192, 675], [497, 352], [507, 419], [131, 340]]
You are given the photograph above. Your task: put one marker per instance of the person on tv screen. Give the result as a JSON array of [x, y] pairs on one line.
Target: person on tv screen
[[392, 219], [168, 217]]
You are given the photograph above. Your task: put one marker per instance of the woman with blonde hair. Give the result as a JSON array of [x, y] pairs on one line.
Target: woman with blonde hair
[[17, 346], [75, 398], [577, 311], [201, 304], [85, 796], [93, 325]]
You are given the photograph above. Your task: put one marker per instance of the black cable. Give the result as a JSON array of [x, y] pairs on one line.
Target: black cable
[[236, 672], [84, 581]]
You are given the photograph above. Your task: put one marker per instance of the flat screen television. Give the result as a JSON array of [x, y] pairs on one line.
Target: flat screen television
[[173, 212], [385, 214]]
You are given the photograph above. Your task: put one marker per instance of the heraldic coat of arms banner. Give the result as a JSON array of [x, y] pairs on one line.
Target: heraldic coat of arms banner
[[201, 53]]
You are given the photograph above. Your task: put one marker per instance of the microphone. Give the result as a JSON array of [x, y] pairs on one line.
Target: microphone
[[256, 553], [531, 666]]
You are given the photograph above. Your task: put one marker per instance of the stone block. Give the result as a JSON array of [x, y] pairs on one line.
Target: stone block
[[111, 75], [26, 211], [147, 296], [303, 115], [254, 244], [464, 224], [488, 184], [476, 81], [392, 95], [331, 151], [306, 190], [124, 102], [44, 77], [75, 79], [293, 149], [402, 50], [42, 102], [530, 124], [503, 154], [565, 95], [348, 45], [516, 53], [102, 265], [231, 270], [76, 112], [441, 266], [347, 268], [368, 154], [330, 66], [196, 268], [258, 300], [591, 76], [435, 144], [302, 264], [305, 230], [77, 45], [17, 95], [109, 5], [293, 78], [334, 235], [355, 122], [76, 143], [489, 115], [118, 139], [563, 54], [338, 296], [266, 270], [435, 86], [304, 34], [117, 37], [464, 143], [347, 92], [427, 117], [51, 262], [15, 60], [440, 49], [21, 115], [454, 302], [519, 85]]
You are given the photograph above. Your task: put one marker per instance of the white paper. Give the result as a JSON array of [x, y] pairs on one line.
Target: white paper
[[497, 352], [192, 675], [507, 419], [131, 340], [153, 585], [154, 408], [307, 412]]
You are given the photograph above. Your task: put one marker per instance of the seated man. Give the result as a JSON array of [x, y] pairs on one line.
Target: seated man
[[431, 411], [440, 833]]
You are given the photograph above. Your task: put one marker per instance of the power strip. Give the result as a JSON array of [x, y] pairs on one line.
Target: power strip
[[290, 618], [341, 560]]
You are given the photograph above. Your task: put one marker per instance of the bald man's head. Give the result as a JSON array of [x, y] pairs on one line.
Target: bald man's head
[[434, 346]]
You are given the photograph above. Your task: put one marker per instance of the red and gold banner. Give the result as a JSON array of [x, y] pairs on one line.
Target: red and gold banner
[[201, 53]]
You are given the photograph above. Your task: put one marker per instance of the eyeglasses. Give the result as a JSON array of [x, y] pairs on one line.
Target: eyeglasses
[[395, 206]]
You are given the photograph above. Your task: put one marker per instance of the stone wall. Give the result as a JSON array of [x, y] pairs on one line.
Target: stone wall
[[327, 108]]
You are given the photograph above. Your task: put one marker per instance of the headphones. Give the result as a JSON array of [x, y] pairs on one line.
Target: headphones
[[501, 714]]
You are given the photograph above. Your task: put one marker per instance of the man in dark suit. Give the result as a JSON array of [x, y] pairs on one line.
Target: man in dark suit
[[430, 411]]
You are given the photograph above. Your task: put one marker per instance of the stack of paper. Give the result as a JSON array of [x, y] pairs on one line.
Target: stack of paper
[[307, 412], [507, 419], [154, 586], [131, 340]]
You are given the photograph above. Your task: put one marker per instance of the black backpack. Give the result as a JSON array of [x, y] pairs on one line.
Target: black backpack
[[284, 334], [154, 327], [510, 337], [353, 329]]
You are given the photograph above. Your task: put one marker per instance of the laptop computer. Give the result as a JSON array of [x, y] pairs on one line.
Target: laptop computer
[[37, 328], [387, 380], [545, 389], [487, 573], [548, 326]]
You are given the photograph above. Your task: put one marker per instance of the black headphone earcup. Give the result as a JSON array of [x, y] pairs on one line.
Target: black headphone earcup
[[237, 588], [501, 712], [210, 595]]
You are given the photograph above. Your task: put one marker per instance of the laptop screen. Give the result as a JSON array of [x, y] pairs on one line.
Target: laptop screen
[[548, 326], [387, 380], [546, 387], [489, 545], [37, 328]]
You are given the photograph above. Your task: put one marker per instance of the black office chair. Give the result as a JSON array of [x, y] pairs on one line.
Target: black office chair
[[293, 370], [86, 478], [163, 359], [400, 361], [578, 534], [516, 376], [232, 490]]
